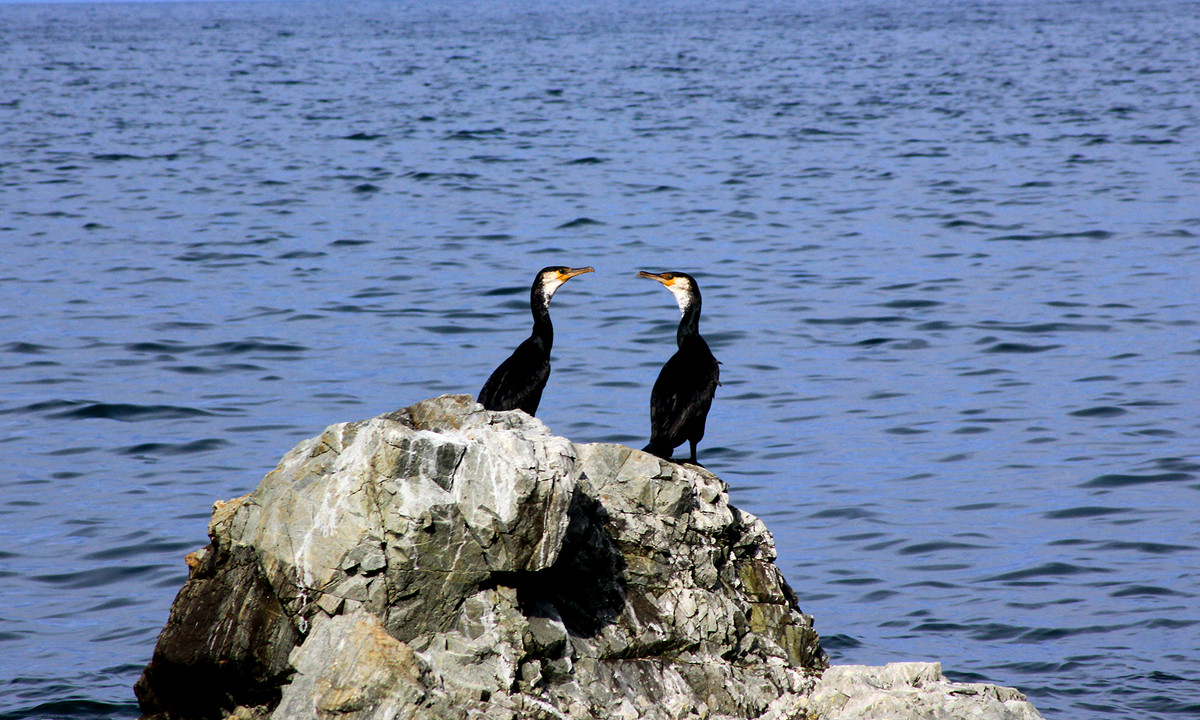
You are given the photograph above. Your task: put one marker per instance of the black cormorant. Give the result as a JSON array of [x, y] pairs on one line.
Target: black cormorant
[[517, 384], [684, 390]]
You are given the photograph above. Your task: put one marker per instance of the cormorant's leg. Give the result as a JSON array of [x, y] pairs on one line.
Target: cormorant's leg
[[692, 459]]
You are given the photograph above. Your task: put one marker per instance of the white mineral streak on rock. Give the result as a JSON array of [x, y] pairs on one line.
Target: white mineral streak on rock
[[506, 482], [418, 452], [333, 507]]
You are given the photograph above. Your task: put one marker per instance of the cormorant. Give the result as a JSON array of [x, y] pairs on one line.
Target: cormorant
[[517, 384], [684, 390]]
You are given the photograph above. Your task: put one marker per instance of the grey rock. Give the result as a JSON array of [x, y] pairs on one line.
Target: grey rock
[[911, 691], [444, 561], [404, 515], [350, 666]]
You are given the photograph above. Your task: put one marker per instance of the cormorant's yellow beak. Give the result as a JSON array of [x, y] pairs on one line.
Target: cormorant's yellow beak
[[665, 281], [572, 272]]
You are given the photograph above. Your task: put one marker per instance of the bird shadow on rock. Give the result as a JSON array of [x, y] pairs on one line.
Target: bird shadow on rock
[[585, 588]]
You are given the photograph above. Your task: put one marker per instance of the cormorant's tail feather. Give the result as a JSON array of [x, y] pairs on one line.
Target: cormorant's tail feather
[[659, 450]]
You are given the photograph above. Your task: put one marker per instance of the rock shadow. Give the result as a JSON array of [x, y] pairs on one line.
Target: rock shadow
[[585, 588], [225, 644]]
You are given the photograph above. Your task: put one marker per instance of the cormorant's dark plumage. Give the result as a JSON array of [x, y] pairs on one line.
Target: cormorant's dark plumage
[[518, 383], [684, 390]]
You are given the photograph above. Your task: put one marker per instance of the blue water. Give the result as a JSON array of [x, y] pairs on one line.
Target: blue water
[[949, 252]]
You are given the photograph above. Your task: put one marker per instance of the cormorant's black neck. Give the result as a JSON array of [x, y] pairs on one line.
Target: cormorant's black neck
[[543, 331], [689, 323]]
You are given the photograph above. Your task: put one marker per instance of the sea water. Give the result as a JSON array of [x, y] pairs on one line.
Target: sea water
[[949, 255]]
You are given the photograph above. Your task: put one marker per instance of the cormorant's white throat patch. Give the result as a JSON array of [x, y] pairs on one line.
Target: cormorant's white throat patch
[[550, 284], [682, 290]]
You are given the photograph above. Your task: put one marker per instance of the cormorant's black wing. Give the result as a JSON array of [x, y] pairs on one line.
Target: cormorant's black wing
[[518, 383], [682, 395]]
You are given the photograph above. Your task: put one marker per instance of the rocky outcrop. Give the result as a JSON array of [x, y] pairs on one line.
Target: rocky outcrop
[[444, 561]]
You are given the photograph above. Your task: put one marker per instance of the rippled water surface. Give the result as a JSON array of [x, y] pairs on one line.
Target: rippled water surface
[[949, 254]]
